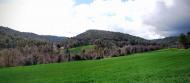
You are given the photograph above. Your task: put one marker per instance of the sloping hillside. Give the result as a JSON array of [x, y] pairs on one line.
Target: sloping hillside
[[163, 66], [20, 48], [5, 31], [168, 41], [79, 50], [100, 34], [106, 37]]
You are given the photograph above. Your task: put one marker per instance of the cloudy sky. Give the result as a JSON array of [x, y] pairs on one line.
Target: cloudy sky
[[150, 19]]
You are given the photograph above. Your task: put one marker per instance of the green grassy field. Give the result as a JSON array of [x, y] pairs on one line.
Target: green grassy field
[[78, 50], [163, 66]]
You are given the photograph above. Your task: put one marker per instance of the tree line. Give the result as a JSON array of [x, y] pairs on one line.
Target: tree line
[[43, 53]]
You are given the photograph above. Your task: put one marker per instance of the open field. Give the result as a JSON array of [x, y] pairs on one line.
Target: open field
[[163, 66], [78, 50]]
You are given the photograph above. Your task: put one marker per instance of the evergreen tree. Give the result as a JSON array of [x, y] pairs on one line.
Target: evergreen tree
[[183, 40], [188, 39]]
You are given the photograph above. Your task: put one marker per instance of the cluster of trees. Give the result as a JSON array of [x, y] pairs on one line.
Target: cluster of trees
[[102, 51], [38, 52], [184, 40], [30, 55]]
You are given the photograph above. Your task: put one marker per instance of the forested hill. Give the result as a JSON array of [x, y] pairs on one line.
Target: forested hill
[[106, 37], [21, 48], [10, 33], [109, 38], [168, 41], [91, 35], [100, 34]]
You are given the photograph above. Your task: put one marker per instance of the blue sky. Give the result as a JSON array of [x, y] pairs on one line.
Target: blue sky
[[78, 2]]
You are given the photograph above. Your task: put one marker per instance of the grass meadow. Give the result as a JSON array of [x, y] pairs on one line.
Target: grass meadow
[[162, 66]]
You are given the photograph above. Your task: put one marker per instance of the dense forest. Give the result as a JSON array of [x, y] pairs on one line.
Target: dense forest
[[21, 48]]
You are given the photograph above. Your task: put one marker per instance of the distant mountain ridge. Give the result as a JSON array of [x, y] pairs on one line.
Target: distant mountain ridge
[[85, 38], [26, 35]]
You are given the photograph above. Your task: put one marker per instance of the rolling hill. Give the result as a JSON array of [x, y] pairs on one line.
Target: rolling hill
[[107, 35], [113, 39], [162, 66], [85, 38], [21, 49], [7, 32]]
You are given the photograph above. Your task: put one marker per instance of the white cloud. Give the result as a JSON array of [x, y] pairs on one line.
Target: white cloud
[[171, 18], [64, 18]]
